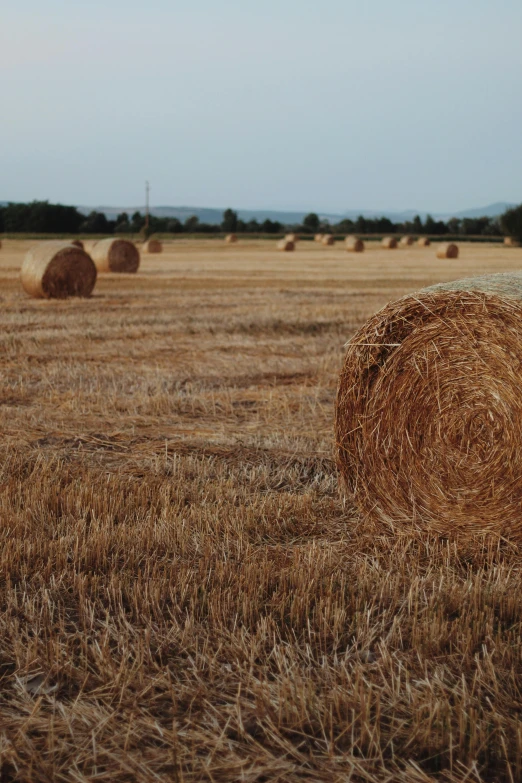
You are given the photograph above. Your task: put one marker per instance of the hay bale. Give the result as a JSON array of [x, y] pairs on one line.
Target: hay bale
[[285, 245], [390, 243], [429, 410], [424, 241], [318, 237], [230, 239], [77, 243], [406, 241], [328, 239], [56, 270], [115, 255], [292, 238], [448, 250], [152, 246], [511, 242], [354, 244]]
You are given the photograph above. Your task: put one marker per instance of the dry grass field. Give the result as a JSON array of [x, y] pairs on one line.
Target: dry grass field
[[184, 594]]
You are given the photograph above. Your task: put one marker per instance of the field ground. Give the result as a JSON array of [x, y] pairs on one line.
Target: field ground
[[184, 594]]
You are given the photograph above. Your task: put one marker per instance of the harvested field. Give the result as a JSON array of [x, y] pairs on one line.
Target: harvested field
[[185, 595]]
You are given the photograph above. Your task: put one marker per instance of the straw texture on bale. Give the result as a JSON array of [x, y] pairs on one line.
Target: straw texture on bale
[[328, 239], [354, 244], [448, 250], [389, 243], [318, 237], [424, 242], [230, 239], [429, 410], [286, 245], [56, 270], [406, 241], [152, 246], [115, 255]]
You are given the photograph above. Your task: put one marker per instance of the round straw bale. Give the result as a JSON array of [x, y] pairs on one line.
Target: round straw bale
[[406, 241], [390, 243], [230, 239], [56, 270], [77, 243], [152, 246], [318, 237], [448, 250], [354, 244], [286, 245], [328, 239], [115, 255], [424, 242], [511, 242], [429, 410], [292, 238]]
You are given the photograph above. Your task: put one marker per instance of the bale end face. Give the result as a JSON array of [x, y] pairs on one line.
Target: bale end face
[[57, 270]]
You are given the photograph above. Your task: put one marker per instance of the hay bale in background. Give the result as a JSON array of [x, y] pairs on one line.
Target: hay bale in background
[[152, 246], [328, 239], [424, 241], [448, 250], [115, 255], [77, 243], [429, 410], [292, 238], [230, 239], [406, 241], [354, 244], [511, 242], [56, 270], [318, 237], [390, 243], [286, 245]]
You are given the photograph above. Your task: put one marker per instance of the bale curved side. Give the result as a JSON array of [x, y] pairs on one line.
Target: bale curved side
[[429, 410], [354, 245], [115, 255], [152, 246], [57, 270], [448, 250], [390, 243], [285, 245]]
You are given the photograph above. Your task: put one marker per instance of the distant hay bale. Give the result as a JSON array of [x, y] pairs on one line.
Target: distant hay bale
[[511, 242], [406, 241], [390, 243], [230, 239], [77, 243], [56, 270], [115, 255], [318, 237], [292, 238], [152, 246], [286, 245], [424, 242], [448, 250], [328, 239], [429, 410], [354, 244]]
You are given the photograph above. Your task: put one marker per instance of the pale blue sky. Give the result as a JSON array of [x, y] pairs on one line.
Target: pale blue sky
[[283, 104]]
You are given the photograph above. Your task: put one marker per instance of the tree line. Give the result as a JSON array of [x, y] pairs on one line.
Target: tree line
[[41, 217]]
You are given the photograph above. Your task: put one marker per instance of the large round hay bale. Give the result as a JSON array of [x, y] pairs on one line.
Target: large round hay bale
[[115, 255], [318, 237], [292, 238], [286, 245], [354, 244], [390, 243], [448, 250], [406, 241], [424, 242], [511, 242], [152, 246], [328, 239], [56, 270], [230, 239], [429, 410]]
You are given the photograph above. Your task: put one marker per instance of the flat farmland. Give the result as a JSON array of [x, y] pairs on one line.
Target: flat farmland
[[185, 594]]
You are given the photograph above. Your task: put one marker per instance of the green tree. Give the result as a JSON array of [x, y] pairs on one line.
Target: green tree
[[192, 224], [311, 223], [229, 223], [511, 223]]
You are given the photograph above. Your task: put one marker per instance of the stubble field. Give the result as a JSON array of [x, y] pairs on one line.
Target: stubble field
[[184, 594]]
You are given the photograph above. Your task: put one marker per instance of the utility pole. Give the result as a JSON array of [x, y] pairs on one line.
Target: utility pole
[[147, 190]]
